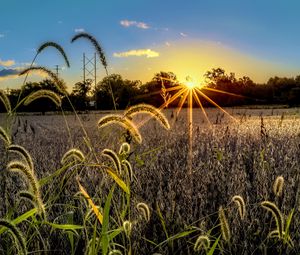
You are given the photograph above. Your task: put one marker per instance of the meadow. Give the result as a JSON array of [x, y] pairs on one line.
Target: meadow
[[90, 204]]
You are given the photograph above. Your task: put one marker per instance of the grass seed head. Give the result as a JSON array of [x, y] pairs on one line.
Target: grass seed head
[[202, 242], [225, 230], [4, 99], [144, 211], [278, 186], [43, 93], [241, 205]]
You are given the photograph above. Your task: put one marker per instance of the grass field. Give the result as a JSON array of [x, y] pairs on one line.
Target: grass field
[[242, 157]]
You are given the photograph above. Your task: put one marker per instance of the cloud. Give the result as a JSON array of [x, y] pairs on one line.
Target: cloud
[[129, 23], [79, 30], [183, 34], [167, 44], [138, 53], [2, 35], [7, 63]]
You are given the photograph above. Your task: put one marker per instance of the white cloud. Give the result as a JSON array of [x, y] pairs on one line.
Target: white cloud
[[2, 35], [167, 44], [183, 34], [79, 30], [7, 63], [138, 53], [129, 23]]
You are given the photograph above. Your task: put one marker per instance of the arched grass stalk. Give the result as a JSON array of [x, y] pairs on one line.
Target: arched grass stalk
[[48, 72], [239, 201], [225, 230], [56, 46], [278, 186], [17, 234], [271, 207], [128, 168], [127, 226], [43, 93], [19, 167], [101, 55], [202, 242], [4, 136], [114, 158], [144, 211], [40, 49], [124, 149], [71, 155], [20, 150], [122, 121], [154, 112], [115, 252], [4, 99]]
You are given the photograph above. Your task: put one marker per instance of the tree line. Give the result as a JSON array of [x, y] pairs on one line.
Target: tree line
[[223, 88]]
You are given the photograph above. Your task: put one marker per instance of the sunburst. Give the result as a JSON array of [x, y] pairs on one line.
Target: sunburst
[[191, 92]]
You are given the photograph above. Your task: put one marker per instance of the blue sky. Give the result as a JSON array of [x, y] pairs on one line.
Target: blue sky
[[255, 38]]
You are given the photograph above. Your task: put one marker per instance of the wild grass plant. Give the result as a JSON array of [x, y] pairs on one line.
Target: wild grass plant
[[89, 189]]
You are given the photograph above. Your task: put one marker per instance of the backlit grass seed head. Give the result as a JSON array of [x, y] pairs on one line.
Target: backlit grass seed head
[[271, 207], [56, 46], [95, 43], [71, 155], [115, 252], [154, 112], [144, 211], [4, 136], [239, 201], [225, 230], [114, 158], [16, 233], [20, 167], [202, 242], [278, 186], [23, 153], [4, 99], [122, 121], [124, 148], [128, 168], [43, 93], [127, 226], [40, 69]]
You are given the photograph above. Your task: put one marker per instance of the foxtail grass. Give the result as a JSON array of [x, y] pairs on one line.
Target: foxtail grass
[[56, 46], [128, 168], [239, 201], [20, 167], [71, 155], [124, 148], [144, 211], [4, 136], [127, 227], [271, 207], [17, 235], [202, 242], [114, 158], [43, 93], [20, 150], [122, 121], [149, 109], [4, 99], [278, 186], [52, 75], [225, 229]]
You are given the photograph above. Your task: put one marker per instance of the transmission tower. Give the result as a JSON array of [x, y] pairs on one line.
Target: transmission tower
[[90, 68], [57, 69], [90, 71]]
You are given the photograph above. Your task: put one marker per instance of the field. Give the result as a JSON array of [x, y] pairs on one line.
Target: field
[[241, 157]]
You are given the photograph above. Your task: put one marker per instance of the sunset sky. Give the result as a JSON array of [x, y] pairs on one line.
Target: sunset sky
[[258, 38]]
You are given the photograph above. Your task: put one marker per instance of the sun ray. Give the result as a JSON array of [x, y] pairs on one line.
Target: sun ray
[[224, 92], [215, 104], [202, 108], [182, 100]]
